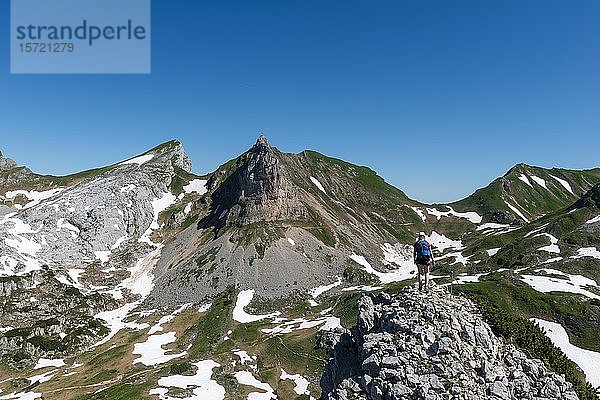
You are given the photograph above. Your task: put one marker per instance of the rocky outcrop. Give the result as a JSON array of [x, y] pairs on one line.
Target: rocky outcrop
[[258, 189], [431, 346], [590, 199], [6, 163]]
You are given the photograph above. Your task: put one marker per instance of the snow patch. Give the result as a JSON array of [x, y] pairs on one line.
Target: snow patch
[[587, 360], [139, 160], [441, 242], [564, 183], [516, 211], [562, 282], [472, 216], [197, 186], [552, 247], [407, 271], [539, 181], [492, 252], [158, 205], [300, 382], [291, 241], [45, 362], [587, 252], [151, 350], [593, 220], [243, 299], [316, 292], [205, 388], [33, 196], [317, 184], [247, 379], [419, 212]]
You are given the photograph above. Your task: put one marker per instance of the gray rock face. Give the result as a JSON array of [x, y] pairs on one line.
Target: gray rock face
[[259, 189], [6, 163], [443, 350]]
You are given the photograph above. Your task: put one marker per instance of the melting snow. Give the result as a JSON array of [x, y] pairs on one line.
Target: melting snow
[[441, 242], [539, 181], [247, 379], [317, 184], [564, 183], [103, 256], [407, 271], [553, 246], [187, 209], [516, 211], [587, 252], [291, 241], [204, 387], [139, 160], [472, 216], [21, 396], [587, 360], [158, 205], [118, 242], [114, 320], [316, 292], [492, 226], [524, 178], [45, 362], [33, 196], [492, 252], [564, 283], [301, 383], [419, 212], [196, 185], [151, 350], [243, 299], [593, 220], [167, 318]]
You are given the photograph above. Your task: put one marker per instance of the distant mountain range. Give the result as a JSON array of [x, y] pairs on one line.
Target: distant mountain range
[[144, 269]]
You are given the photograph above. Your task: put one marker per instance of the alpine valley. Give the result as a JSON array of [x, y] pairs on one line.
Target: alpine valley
[[290, 276]]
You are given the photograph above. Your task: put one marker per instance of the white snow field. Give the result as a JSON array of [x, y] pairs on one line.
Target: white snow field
[[404, 272], [33, 196], [493, 252], [587, 252], [524, 178], [196, 186], [45, 362], [588, 360], [552, 247], [564, 183], [562, 283], [317, 184], [301, 383], [158, 205], [419, 212], [247, 379], [316, 292], [472, 216], [151, 350], [593, 220], [539, 181], [139, 160], [516, 211], [441, 242], [243, 299], [205, 388]]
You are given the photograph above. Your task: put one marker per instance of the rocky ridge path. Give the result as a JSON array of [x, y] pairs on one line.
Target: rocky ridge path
[[430, 346]]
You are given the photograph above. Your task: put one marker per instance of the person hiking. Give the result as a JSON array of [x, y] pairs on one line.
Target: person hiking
[[423, 259]]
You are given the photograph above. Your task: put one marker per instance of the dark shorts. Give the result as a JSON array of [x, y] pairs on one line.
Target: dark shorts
[[423, 265]]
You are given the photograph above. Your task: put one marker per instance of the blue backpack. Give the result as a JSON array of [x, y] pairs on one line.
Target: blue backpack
[[423, 249]]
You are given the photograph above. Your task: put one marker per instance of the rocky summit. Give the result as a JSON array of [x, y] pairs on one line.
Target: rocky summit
[[430, 346]]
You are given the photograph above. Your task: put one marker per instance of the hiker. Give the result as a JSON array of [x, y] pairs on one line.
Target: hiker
[[423, 258]]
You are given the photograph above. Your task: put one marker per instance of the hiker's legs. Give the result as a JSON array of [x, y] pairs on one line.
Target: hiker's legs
[[427, 267], [421, 271]]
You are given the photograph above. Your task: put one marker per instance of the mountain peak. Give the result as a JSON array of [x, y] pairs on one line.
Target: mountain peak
[[261, 143], [7, 163]]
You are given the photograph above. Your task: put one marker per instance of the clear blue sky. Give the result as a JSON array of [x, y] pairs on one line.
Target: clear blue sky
[[439, 97]]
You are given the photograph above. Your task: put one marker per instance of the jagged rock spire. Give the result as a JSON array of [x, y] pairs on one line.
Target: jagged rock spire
[[262, 142], [6, 163]]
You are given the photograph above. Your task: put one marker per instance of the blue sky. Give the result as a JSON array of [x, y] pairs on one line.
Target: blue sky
[[439, 97]]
